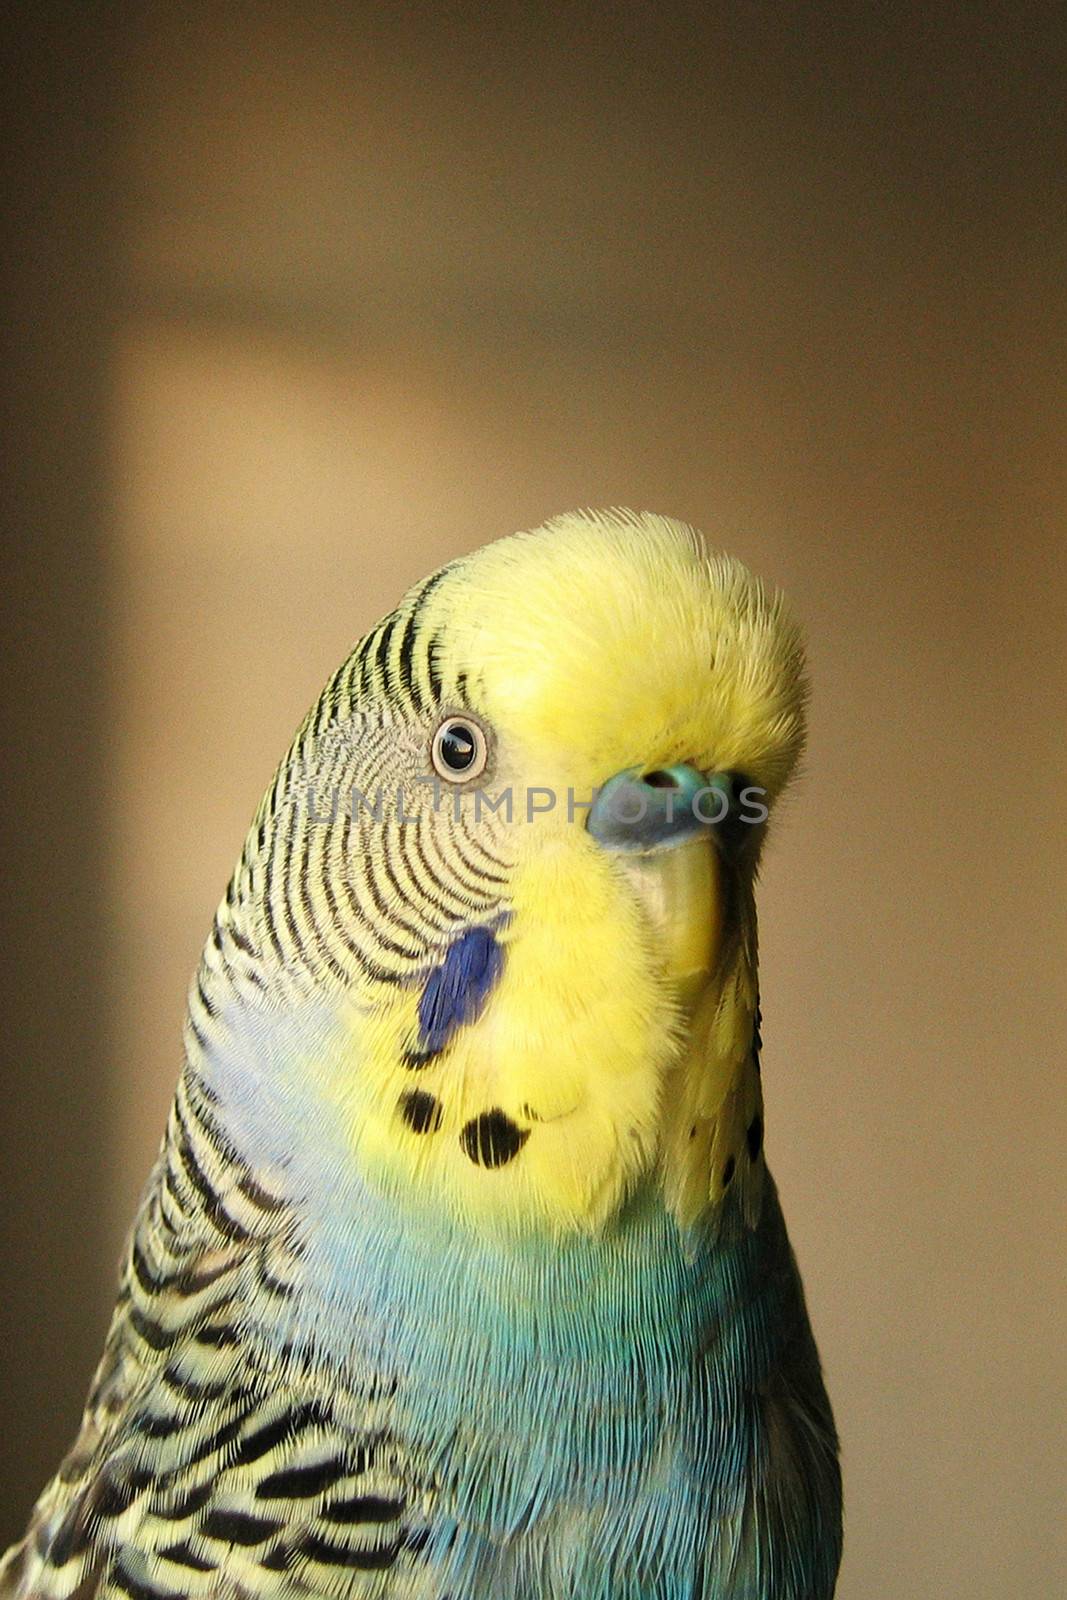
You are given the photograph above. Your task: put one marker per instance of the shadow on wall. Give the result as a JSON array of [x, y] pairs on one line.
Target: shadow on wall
[[58, 983]]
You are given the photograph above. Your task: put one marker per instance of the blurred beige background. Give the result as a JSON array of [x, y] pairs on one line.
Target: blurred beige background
[[305, 298]]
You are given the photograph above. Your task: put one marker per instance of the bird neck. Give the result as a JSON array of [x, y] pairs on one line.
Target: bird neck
[[414, 1293], [677, 1253]]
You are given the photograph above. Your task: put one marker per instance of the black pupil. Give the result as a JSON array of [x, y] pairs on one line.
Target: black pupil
[[458, 747]]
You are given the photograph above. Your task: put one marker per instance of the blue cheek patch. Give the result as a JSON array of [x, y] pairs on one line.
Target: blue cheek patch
[[457, 990]]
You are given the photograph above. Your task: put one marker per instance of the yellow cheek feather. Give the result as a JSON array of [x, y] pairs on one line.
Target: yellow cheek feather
[[614, 1043], [580, 1034], [713, 1122], [572, 1048]]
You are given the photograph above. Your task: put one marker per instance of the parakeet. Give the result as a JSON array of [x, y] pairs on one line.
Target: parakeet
[[460, 1274]]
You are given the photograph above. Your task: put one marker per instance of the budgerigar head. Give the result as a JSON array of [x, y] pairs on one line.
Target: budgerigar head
[[512, 852]]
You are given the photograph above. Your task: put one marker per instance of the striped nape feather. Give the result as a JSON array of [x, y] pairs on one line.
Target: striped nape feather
[[208, 1463], [353, 870]]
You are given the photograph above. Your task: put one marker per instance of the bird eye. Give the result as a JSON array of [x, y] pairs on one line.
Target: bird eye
[[459, 751]]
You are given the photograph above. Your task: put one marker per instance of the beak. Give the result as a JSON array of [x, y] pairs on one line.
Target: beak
[[659, 826], [649, 811]]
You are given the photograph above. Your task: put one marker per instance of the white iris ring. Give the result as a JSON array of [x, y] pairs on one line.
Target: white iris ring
[[468, 733]]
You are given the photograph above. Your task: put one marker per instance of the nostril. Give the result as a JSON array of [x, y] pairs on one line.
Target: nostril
[[661, 780]]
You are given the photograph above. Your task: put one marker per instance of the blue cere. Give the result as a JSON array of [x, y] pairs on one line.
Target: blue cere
[[456, 991]]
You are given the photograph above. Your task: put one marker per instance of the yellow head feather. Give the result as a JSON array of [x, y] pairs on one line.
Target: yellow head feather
[[598, 643]]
